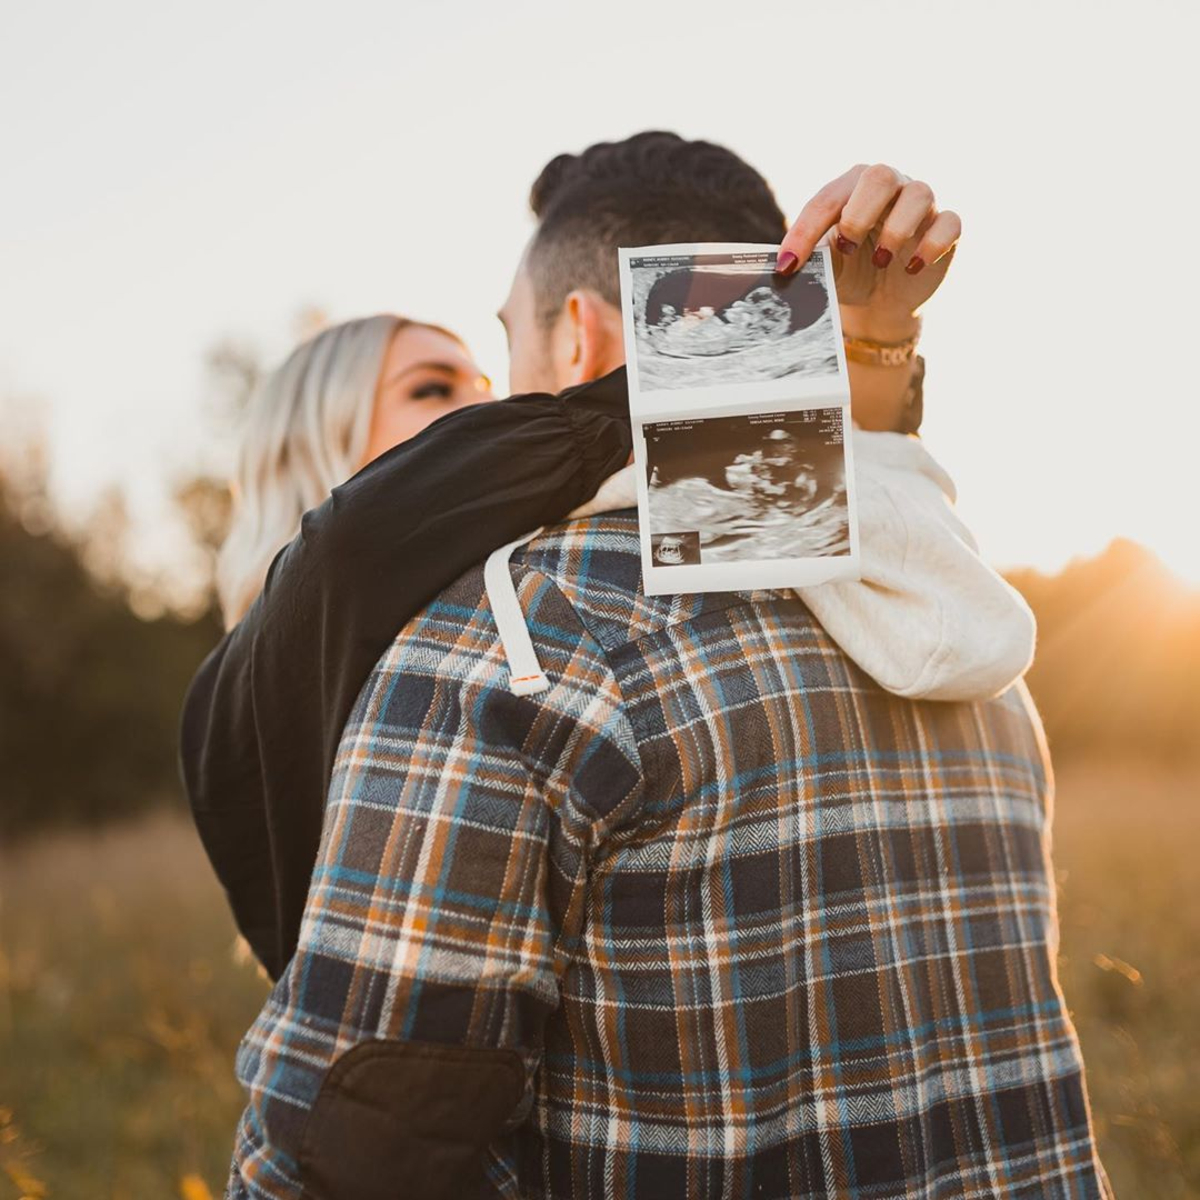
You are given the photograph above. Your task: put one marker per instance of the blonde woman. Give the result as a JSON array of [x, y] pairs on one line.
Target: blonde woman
[[373, 472], [340, 400]]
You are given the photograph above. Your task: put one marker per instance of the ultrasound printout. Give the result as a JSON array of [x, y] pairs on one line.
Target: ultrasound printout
[[740, 400]]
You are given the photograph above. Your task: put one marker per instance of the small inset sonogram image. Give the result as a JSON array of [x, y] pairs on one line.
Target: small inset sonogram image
[[678, 549]]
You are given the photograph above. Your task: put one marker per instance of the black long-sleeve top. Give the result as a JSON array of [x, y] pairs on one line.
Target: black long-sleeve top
[[262, 719]]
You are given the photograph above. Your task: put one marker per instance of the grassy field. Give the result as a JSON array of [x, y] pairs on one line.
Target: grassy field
[[121, 997], [121, 1003], [1127, 853]]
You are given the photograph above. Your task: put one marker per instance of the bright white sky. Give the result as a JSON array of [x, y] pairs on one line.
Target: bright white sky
[[174, 174]]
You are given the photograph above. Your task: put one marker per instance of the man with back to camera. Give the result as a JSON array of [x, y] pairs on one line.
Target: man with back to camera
[[713, 915]]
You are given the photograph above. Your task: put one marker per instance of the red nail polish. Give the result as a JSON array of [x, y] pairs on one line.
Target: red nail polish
[[786, 263], [881, 257], [845, 245], [915, 264]]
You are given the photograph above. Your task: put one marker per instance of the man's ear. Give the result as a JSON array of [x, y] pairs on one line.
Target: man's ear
[[588, 339]]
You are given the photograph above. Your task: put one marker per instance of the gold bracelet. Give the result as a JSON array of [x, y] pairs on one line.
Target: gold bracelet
[[882, 354]]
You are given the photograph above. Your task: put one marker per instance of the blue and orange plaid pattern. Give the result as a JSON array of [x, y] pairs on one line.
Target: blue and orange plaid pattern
[[756, 927]]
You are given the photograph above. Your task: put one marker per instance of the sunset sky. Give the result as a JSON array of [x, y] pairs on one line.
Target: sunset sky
[[177, 174]]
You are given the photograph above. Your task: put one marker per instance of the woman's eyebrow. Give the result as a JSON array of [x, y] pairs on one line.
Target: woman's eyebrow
[[445, 367]]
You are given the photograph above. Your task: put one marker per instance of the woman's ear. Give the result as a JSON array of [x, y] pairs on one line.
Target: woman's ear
[[588, 339]]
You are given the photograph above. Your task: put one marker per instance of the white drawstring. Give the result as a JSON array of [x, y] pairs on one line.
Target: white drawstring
[[525, 674]]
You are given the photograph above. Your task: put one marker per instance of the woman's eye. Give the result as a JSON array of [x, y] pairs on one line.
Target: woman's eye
[[433, 391]]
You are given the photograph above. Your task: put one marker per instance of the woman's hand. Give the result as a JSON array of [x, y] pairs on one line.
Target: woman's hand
[[890, 246]]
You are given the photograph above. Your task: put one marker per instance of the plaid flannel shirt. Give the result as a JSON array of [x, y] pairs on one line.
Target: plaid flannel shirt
[[714, 916]]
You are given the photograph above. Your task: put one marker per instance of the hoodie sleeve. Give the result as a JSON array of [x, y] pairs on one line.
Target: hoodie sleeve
[[929, 619]]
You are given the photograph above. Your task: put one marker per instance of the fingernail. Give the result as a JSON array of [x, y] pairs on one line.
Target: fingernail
[[786, 263], [845, 245], [881, 257], [915, 264]]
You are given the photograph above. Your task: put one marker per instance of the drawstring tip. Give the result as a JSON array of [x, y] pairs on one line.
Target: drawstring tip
[[525, 674], [528, 685]]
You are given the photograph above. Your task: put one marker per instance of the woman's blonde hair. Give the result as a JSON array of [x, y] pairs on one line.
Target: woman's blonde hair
[[306, 430]]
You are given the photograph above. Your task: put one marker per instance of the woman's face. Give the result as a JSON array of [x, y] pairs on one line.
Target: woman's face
[[425, 375]]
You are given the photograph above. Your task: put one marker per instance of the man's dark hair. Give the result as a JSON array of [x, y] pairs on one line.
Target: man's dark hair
[[649, 189]]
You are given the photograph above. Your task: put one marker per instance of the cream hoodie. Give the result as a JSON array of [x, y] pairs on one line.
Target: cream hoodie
[[929, 619]]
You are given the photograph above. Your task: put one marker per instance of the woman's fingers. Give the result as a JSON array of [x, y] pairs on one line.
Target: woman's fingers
[[913, 208], [938, 240], [849, 208], [873, 196], [816, 218]]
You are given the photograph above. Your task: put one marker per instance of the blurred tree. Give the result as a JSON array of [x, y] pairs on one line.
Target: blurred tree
[[104, 538], [234, 369], [89, 693], [206, 506]]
